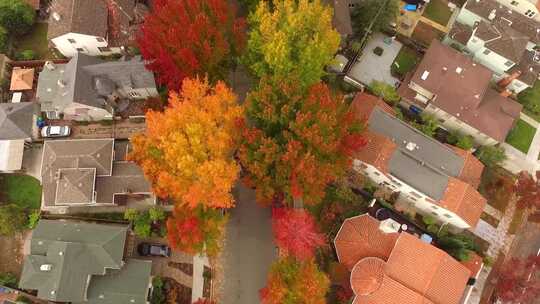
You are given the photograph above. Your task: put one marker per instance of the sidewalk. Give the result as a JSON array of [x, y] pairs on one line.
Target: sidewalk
[[518, 161]]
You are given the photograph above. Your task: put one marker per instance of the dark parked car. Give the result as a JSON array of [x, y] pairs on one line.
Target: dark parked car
[[147, 249]]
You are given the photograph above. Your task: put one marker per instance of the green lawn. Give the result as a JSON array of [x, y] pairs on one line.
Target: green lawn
[[22, 190], [438, 11], [405, 61], [530, 99], [521, 136], [35, 40]]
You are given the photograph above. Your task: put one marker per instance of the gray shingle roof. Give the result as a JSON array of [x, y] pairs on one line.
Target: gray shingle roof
[[16, 120], [427, 166], [75, 251], [84, 77]]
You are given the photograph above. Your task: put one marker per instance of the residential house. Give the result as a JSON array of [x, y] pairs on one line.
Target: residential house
[[342, 17], [83, 263], [90, 172], [88, 88], [94, 27], [456, 90], [388, 266], [17, 121], [431, 178], [503, 37]]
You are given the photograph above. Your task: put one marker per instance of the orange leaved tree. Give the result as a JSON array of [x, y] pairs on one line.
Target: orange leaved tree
[[294, 281], [187, 151]]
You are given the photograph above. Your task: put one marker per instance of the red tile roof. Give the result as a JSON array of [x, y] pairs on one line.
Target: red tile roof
[[414, 273], [364, 104], [360, 237], [377, 152], [474, 263], [427, 270], [472, 168], [464, 200]]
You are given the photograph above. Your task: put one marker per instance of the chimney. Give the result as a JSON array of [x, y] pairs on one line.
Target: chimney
[[56, 16], [492, 14], [49, 65], [506, 93], [504, 82], [61, 83]]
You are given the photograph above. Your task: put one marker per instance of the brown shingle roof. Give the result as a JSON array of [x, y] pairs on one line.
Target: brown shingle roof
[[78, 16], [342, 16], [461, 89], [460, 33], [463, 200], [529, 68], [502, 39], [377, 152], [472, 168], [361, 237]]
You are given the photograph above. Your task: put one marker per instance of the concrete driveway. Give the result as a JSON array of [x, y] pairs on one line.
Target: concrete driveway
[[249, 250]]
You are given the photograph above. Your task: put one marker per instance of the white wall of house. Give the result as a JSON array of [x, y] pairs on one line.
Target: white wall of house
[[451, 122], [524, 7], [81, 112], [421, 202], [517, 86], [71, 43], [467, 17], [492, 60]]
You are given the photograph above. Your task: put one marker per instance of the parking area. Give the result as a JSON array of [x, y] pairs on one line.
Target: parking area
[[118, 129]]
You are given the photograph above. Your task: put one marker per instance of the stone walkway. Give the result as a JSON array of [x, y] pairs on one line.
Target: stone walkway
[[498, 237]]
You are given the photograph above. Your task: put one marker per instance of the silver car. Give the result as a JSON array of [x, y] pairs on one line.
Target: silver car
[[55, 131]]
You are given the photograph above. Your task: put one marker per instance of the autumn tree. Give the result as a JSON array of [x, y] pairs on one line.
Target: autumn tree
[[293, 281], [204, 301], [188, 38], [196, 230], [515, 285], [296, 142], [528, 190], [187, 150], [294, 36], [296, 233]]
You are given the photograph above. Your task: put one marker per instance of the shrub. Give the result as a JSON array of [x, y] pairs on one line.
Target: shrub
[[428, 126], [385, 91], [23, 300], [26, 55], [491, 156], [378, 51], [3, 39], [462, 141], [8, 279], [158, 295], [33, 219]]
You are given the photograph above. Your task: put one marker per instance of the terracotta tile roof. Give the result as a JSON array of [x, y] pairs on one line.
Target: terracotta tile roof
[[414, 273], [472, 168], [427, 270], [22, 79], [360, 237], [377, 152], [474, 263], [364, 104], [463, 200]]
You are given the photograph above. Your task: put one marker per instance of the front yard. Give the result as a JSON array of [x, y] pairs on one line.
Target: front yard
[[405, 61], [438, 11], [35, 40], [21, 190], [521, 136]]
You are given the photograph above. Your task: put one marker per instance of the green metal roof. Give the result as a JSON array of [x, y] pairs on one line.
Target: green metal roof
[[75, 251], [129, 285]]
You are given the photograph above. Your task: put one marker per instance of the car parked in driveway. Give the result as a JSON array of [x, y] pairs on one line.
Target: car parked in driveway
[[148, 249], [55, 131]]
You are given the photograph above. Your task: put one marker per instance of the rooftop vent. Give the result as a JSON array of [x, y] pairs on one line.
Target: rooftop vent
[[445, 69], [45, 267], [492, 14], [389, 226], [61, 83], [411, 146], [56, 16], [425, 75], [49, 65], [459, 70]]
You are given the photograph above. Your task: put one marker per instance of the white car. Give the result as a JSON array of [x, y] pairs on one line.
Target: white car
[[55, 131]]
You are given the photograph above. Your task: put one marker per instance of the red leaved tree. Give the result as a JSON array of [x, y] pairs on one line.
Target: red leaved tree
[[528, 190], [204, 301], [188, 38], [296, 233], [195, 230], [516, 284]]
